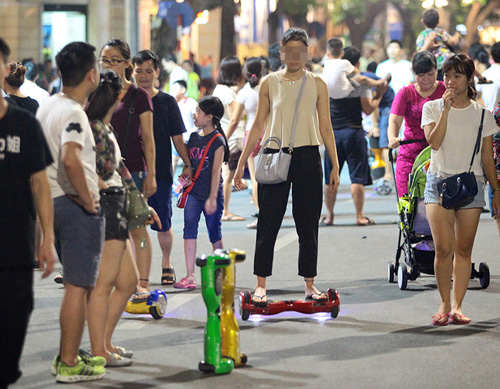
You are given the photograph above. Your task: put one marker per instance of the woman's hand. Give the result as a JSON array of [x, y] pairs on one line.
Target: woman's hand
[[394, 143], [333, 186], [211, 205], [448, 98], [238, 177], [154, 218]]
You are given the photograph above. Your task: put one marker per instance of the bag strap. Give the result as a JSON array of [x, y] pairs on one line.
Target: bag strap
[[200, 165], [304, 79], [477, 147], [131, 112]]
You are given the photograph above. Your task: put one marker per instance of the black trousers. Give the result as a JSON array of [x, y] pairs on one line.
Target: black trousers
[[305, 177], [17, 304]]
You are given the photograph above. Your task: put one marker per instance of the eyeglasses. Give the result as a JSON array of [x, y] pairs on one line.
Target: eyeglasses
[[111, 62]]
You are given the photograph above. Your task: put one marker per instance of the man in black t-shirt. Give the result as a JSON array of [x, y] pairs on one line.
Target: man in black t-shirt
[[24, 155], [167, 127], [346, 118]]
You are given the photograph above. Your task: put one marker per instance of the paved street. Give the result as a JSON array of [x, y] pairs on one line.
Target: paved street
[[382, 338]]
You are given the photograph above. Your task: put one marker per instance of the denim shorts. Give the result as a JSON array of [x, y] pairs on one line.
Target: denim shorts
[[192, 213], [113, 202], [383, 124], [161, 201], [431, 194]]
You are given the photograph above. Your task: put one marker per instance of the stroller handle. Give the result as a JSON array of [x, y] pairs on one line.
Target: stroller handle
[[405, 142]]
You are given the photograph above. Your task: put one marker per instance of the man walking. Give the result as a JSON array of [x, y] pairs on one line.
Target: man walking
[[345, 115], [167, 127], [78, 221], [24, 155]]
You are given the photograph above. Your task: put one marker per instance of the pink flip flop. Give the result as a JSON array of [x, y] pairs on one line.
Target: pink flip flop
[[437, 319], [185, 284]]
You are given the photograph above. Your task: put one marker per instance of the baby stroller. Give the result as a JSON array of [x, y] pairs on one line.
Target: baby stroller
[[415, 238]]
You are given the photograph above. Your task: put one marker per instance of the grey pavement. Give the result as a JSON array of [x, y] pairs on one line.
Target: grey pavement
[[382, 338]]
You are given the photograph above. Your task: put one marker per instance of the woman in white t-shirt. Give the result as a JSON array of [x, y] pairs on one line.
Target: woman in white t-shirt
[[451, 127], [246, 101], [229, 81]]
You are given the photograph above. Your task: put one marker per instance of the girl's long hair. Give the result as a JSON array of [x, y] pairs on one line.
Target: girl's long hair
[[103, 98], [212, 105]]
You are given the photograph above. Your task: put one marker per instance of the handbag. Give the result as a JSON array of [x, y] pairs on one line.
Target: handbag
[[137, 210], [183, 195], [271, 167], [459, 190]]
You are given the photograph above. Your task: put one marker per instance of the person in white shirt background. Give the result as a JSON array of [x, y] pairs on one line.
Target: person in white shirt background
[[490, 93], [175, 72], [397, 66], [187, 106], [29, 87]]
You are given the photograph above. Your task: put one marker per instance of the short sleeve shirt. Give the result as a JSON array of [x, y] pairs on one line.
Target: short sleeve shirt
[[335, 75], [441, 52], [167, 122], [23, 152], [133, 152], [249, 98], [63, 120], [196, 146], [455, 152]]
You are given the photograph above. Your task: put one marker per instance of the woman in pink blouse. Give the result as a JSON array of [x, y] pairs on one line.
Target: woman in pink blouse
[[408, 105]]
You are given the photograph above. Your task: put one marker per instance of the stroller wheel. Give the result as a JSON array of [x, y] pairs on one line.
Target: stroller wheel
[[484, 275], [402, 276], [391, 270]]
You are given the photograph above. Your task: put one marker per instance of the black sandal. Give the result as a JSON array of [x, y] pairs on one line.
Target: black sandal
[[168, 279]]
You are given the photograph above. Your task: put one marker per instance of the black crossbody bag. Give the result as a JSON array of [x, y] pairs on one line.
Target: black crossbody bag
[[459, 190]]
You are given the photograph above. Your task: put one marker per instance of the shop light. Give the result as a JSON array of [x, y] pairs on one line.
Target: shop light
[[202, 17]]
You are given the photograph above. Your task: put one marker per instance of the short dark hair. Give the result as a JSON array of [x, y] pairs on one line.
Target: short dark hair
[[334, 47], [4, 50], [74, 61], [170, 57], [372, 67], [423, 62], [32, 70], [462, 64], [229, 71], [146, 55], [352, 54], [495, 52], [295, 34], [16, 75], [430, 18], [181, 83], [398, 42], [103, 98]]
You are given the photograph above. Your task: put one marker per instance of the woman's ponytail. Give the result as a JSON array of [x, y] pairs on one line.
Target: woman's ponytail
[[218, 127]]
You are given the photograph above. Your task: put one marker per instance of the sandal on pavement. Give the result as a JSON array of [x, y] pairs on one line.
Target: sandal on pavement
[[116, 360], [440, 320], [369, 222], [124, 353], [185, 284], [232, 218], [459, 319], [252, 226], [262, 302], [317, 297], [168, 276]]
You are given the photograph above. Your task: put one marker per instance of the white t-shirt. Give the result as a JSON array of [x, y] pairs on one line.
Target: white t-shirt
[[249, 98], [335, 74], [187, 106], [227, 95], [455, 153], [401, 73], [490, 93], [29, 88], [63, 120]]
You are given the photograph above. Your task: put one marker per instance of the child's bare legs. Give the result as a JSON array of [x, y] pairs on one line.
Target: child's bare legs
[[190, 256]]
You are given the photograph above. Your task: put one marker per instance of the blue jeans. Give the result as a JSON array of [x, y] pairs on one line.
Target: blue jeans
[[192, 213]]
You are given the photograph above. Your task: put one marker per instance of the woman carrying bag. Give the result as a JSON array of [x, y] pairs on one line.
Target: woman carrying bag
[[457, 128], [278, 96]]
